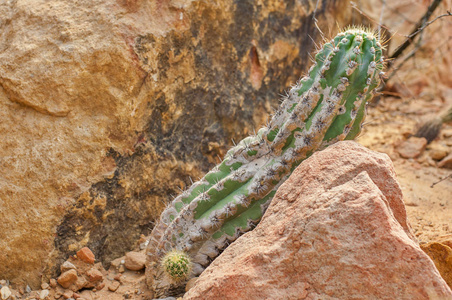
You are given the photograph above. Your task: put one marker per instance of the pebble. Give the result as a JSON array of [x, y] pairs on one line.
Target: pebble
[[117, 262], [86, 255], [412, 147], [121, 269], [44, 294], [28, 289], [100, 286], [67, 278], [135, 261], [66, 266], [94, 275], [113, 286], [5, 293], [45, 286], [53, 282], [446, 162], [68, 294]]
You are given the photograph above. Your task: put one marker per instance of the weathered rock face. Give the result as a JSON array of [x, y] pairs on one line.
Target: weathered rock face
[[336, 229], [106, 107]]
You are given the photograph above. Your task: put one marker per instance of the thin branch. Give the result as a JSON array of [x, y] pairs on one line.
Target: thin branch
[[435, 183], [420, 25]]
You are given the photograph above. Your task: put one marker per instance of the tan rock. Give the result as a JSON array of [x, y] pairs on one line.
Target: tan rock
[[442, 257], [336, 229], [437, 151], [68, 294], [100, 286], [5, 292], [67, 266], [44, 294], [80, 283], [412, 147], [53, 282], [94, 275], [135, 261], [446, 162], [67, 278], [86, 255], [113, 286], [118, 261], [87, 84]]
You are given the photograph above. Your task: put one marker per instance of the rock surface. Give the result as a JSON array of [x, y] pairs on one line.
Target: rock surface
[[336, 229], [106, 107], [441, 255]]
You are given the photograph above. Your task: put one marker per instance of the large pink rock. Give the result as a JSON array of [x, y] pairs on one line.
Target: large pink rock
[[337, 229]]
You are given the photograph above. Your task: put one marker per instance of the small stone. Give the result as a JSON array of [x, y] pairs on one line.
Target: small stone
[[68, 294], [66, 266], [117, 262], [45, 286], [437, 151], [76, 296], [44, 294], [412, 147], [114, 286], [28, 289], [86, 255], [100, 286], [446, 162], [67, 278], [53, 282], [79, 284], [94, 275], [5, 293], [118, 277], [135, 261], [121, 269]]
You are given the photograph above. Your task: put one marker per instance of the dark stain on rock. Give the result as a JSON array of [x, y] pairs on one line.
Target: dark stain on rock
[[188, 126]]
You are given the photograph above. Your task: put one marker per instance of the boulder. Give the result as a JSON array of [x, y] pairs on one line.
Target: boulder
[[108, 106], [336, 229]]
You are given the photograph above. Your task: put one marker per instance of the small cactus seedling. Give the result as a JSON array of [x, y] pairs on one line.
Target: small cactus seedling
[[324, 107], [177, 265]]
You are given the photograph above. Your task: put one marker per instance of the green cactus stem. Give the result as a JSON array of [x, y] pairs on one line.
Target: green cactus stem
[[326, 106]]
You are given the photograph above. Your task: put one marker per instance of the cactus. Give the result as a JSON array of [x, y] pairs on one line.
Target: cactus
[[324, 107], [177, 265]]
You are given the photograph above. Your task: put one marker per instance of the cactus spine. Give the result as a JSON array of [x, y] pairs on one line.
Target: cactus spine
[[324, 107]]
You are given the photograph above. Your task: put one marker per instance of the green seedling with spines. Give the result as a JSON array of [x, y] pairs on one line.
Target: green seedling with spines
[[326, 106]]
